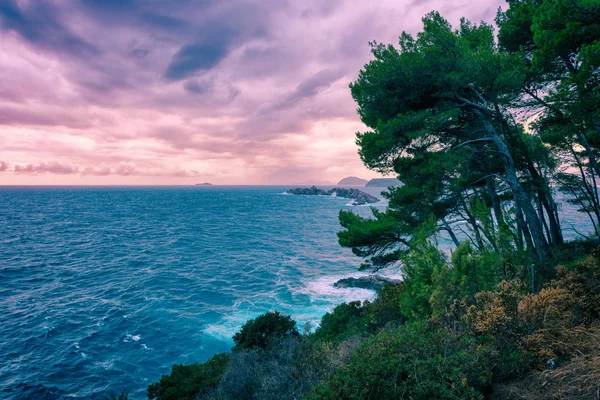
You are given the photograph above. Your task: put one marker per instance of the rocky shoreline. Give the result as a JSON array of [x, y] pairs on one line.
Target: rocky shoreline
[[359, 197], [371, 282]]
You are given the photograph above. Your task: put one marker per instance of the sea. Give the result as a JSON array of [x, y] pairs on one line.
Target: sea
[[103, 289]]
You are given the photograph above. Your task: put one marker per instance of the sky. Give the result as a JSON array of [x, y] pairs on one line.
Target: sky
[[177, 92]]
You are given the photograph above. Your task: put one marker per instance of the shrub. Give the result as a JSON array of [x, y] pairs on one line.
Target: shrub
[[287, 368], [420, 267], [385, 309], [256, 333], [521, 330], [124, 395], [412, 361], [346, 320], [494, 320], [188, 381], [583, 280]]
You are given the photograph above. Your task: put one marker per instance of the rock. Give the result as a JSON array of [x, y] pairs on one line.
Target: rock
[[352, 181], [358, 196], [311, 191], [371, 282], [383, 182], [203, 184]]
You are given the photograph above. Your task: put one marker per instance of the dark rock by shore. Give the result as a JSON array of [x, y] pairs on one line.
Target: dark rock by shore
[[371, 282], [358, 196]]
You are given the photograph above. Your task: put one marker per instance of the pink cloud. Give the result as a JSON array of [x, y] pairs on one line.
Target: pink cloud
[[43, 168], [238, 92]]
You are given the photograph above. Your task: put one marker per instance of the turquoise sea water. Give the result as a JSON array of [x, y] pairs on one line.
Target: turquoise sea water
[[103, 289]]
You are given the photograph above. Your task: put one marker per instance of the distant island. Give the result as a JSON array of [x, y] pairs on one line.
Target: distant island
[[352, 181], [203, 184], [358, 196], [383, 182], [377, 182]]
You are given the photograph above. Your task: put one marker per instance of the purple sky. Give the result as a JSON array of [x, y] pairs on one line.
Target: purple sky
[[186, 91]]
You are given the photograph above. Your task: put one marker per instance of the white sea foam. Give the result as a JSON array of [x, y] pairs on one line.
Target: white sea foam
[[323, 287], [324, 297], [131, 338], [226, 327]]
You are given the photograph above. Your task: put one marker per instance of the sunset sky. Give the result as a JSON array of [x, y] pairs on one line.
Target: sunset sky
[[186, 91]]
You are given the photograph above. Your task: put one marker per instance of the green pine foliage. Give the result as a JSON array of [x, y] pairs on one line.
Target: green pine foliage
[[189, 381], [413, 361], [256, 333]]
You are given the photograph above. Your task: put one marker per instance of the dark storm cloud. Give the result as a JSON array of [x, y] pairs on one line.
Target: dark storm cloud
[[227, 28], [154, 14], [308, 89], [40, 24], [199, 56]]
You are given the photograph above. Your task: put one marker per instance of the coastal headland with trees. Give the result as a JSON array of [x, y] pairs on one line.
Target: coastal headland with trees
[[485, 124]]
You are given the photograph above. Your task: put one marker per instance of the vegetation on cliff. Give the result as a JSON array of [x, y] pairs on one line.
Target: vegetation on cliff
[[445, 340], [481, 133]]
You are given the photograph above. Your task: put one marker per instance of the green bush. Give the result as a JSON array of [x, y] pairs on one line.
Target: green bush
[[355, 319], [188, 381], [346, 320], [256, 333], [414, 362], [124, 395], [385, 309]]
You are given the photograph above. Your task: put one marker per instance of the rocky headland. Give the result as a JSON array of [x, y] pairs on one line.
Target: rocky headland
[[359, 197]]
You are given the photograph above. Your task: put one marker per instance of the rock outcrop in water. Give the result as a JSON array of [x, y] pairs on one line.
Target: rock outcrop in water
[[358, 196], [371, 282]]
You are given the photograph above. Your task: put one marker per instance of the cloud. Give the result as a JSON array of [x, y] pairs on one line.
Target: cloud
[[52, 168], [218, 36], [202, 55], [40, 24], [242, 91], [121, 169], [309, 88], [198, 87]]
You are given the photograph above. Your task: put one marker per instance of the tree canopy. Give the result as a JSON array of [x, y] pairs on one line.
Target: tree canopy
[[481, 129]]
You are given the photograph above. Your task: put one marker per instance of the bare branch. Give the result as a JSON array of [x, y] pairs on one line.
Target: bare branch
[[481, 140]]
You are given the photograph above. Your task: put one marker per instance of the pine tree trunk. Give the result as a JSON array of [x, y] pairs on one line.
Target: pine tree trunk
[[544, 194], [491, 186], [521, 197], [450, 232], [588, 149]]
